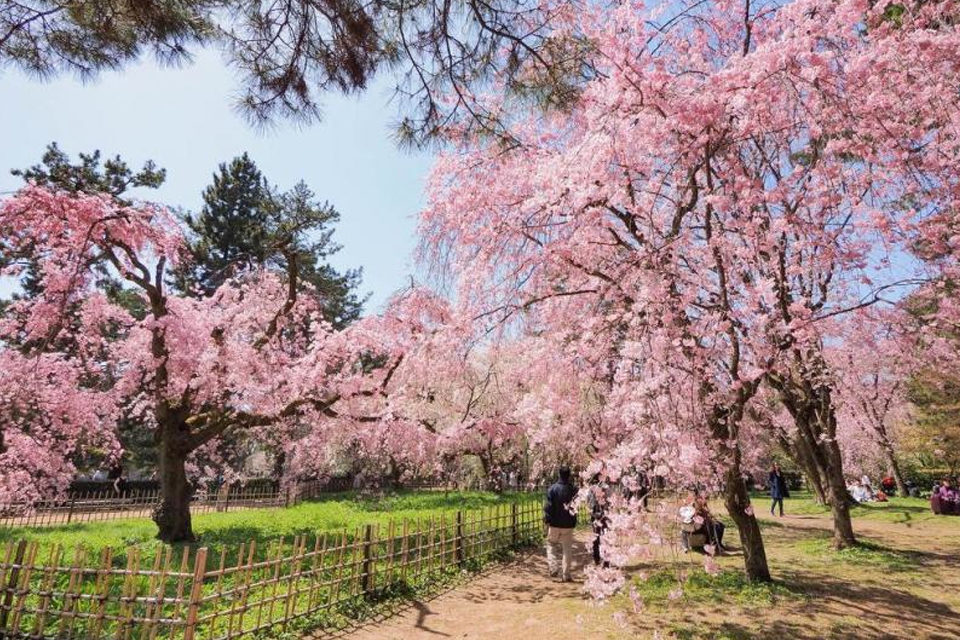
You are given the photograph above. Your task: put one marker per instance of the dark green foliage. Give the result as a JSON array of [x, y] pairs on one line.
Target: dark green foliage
[[246, 224], [299, 209], [114, 177], [934, 433], [44, 37], [231, 230], [287, 54]]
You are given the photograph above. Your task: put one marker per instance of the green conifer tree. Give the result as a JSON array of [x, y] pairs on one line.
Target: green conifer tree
[[246, 224]]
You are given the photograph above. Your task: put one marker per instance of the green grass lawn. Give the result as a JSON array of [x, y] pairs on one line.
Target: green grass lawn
[[334, 513], [253, 588], [896, 510], [900, 581]]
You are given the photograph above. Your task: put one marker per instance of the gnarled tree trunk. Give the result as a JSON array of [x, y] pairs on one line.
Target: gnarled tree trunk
[[724, 425], [801, 456], [737, 499], [823, 427], [172, 515], [810, 403], [894, 466]]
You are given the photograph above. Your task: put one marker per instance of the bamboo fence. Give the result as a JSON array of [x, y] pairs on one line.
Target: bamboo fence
[[106, 505], [204, 594]]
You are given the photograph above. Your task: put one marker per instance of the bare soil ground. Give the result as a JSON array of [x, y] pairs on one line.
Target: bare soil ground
[[904, 585], [517, 600]]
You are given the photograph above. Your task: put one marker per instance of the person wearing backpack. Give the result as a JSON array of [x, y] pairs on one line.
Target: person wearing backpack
[[561, 522]]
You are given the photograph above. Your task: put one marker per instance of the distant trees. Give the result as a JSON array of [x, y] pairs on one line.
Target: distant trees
[[933, 432]]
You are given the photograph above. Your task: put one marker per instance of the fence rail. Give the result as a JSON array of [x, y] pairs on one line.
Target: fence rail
[[140, 504], [160, 592]]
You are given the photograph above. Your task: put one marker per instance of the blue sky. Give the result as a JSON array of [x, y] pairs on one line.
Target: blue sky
[[185, 121]]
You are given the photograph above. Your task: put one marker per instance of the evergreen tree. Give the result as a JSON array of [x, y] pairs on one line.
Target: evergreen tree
[[298, 208], [286, 55], [231, 229], [245, 223], [114, 177]]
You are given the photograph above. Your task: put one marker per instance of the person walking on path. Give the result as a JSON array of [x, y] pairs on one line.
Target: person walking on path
[[778, 488], [560, 523]]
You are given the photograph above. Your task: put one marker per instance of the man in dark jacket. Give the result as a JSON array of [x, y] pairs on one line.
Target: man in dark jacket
[[560, 523], [778, 488]]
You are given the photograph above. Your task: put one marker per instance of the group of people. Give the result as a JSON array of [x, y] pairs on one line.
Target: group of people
[[698, 525], [945, 499], [862, 491]]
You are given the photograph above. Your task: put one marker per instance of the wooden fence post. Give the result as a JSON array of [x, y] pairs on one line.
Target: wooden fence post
[[458, 542], [196, 592], [514, 532], [12, 583], [73, 501], [367, 559]]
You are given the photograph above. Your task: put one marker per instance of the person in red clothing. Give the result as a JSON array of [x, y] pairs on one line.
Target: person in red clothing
[[888, 485]]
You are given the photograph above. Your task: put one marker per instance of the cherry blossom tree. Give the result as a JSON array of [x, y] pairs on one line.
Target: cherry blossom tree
[[872, 373], [51, 415], [727, 186], [255, 358]]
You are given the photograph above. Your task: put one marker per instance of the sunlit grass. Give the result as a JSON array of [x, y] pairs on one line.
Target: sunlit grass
[[330, 514], [896, 509], [668, 587], [864, 554]]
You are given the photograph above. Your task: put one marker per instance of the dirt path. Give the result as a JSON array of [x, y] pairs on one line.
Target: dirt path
[[908, 587], [515, 602]]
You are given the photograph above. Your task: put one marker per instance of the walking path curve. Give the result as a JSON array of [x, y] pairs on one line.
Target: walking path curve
[[515, 601]]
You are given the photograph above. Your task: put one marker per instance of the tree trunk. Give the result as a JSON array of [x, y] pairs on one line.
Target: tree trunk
[[811, 405], [279, 464], [829, 464], [737, 500], [799, 453], [813, 479], [172, 515], [837, 495], [839, 501]]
